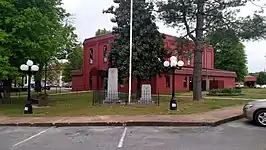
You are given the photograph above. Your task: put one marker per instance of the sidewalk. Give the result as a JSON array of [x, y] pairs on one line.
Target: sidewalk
[[211, 118]]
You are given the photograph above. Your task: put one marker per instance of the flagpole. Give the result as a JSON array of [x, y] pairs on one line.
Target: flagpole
[[130, 51]]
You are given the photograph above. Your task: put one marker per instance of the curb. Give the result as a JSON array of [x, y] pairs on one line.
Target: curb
[[129, 123], [226, 120]]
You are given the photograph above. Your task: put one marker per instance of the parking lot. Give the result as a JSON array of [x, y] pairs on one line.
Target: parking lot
[[232, 136]]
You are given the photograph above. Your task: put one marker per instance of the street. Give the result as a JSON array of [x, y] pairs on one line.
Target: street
[[231, 136]]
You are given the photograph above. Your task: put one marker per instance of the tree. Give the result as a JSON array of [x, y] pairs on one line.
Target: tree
[[102, 32], [74, 63], [261, 78], [197, 17], [254, 74], [33, 30], [229, 52], [148, 43], [6, 71]]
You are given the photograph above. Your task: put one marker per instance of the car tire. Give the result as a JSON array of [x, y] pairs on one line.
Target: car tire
[[258, 117]]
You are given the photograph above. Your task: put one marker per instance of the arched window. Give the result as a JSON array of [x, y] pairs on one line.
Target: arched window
[[189, 58], [176, 53], [105, 54], [91, 56]]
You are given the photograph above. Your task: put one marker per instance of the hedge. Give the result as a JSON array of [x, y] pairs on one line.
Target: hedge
[[226, 92]]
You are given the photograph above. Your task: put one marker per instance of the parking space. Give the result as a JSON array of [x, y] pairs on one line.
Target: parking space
[[67, 138], [233, 136], [9, 136]]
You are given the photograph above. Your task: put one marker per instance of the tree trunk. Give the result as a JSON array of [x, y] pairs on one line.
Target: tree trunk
[[15, 83], [7, 90], [138, 93], [197, 74], [38, 79], [197, 71], [22, 81], [1, 97]]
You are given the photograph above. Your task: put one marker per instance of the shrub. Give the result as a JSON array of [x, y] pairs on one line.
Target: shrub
[[226, 92]]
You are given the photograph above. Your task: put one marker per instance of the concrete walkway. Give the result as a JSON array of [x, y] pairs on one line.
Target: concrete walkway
[[211, 118]]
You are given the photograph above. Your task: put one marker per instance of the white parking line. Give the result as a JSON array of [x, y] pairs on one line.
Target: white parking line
[[32, 137], [120, 144]]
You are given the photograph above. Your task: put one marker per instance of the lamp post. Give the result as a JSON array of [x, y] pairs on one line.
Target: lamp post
[[29, 68], [173, 64]]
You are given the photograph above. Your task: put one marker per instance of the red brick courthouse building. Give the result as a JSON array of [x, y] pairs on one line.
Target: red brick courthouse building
[[93, 75]]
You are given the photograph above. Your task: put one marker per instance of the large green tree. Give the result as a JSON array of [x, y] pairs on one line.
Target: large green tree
[[229, 52], [33, 30], [197, 17], [74, 63], [261, 78], [148, 43], [102, 32]]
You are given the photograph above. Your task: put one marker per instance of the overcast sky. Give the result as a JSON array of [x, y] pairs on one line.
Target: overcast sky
[[88, 17]]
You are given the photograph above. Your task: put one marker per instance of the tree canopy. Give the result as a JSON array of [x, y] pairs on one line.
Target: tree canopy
[[74, 63], [102, 32], [197, 17], [261, 78], [229, 52], [33, 30], [148, 43], [36, 30]]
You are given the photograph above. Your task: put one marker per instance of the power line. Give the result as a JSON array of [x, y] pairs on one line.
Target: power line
[[256, 4]]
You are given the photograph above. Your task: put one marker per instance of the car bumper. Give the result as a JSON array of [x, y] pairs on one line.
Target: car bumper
[[248, 113]]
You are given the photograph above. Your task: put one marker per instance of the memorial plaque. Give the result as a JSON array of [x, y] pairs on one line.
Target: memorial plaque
[[145, 94], [112, 86]]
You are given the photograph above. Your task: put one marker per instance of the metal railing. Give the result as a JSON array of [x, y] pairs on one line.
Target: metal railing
[[113, 97]]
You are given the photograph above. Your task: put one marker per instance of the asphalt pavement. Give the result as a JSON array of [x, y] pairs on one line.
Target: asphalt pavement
[[238, 135]]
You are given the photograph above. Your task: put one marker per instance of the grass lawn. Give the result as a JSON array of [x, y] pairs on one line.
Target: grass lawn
[[81, 105], [254, 93]]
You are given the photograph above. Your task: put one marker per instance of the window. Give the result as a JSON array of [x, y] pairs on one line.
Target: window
[[190, 79], [105, 54], [189, 59], [176, 54], [185, 82], [91, 56], [167, 80]]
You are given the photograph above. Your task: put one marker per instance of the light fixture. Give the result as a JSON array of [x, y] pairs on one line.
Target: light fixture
[[29, 63], [173, 64]]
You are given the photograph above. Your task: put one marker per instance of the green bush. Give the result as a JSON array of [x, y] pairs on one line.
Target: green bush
[[226, 92]]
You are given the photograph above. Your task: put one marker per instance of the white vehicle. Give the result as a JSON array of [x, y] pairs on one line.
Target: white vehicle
[[239, 85], [263, 86]]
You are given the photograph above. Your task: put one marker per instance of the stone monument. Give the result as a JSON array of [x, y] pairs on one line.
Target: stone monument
[[145, 94], [112, 87]]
